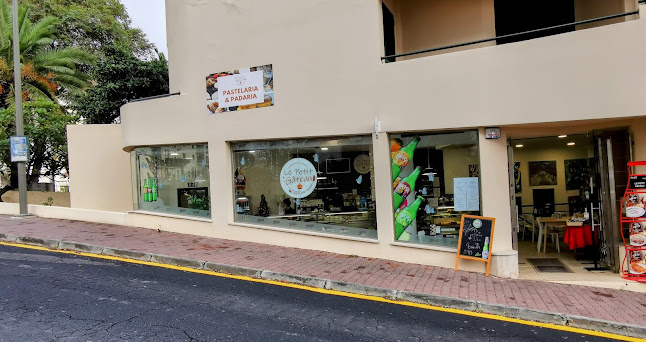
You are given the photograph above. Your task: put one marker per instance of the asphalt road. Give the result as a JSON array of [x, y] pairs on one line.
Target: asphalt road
[[57, 297]]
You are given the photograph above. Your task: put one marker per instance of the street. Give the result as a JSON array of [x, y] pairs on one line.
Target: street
[[47, 296]]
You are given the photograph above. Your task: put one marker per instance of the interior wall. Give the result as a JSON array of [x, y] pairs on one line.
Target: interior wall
[[456, 164], [434, 23], [525, 155], [590, 9], [393, 6]]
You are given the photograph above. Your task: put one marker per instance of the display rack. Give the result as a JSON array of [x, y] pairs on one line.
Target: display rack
[[633, 217]]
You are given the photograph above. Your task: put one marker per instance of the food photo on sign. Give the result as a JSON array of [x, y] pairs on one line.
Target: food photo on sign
[[637, 262], [635, 204], [240, 89]]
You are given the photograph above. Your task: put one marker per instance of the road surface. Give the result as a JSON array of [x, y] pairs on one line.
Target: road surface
[[46, 296]]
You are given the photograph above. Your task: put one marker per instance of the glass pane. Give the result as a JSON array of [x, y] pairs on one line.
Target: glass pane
[[317, 185], [435, 181], [174, 179]]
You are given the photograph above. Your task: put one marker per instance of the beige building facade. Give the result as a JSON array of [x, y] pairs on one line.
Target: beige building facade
[[330, 88]]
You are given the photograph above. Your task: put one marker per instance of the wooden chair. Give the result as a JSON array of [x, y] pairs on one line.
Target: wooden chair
[[528, 222], [543, 233]]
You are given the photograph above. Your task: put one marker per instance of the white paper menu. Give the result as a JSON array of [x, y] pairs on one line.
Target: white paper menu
[[466, 194]]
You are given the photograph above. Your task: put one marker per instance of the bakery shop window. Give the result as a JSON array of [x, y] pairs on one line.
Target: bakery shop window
[[173, 179], [323, 186], [436, 179]]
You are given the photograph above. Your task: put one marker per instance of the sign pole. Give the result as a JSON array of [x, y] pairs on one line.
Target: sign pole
[[17, 89]]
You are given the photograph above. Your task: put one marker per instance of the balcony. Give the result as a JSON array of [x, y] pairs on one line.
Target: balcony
[[419, 28]]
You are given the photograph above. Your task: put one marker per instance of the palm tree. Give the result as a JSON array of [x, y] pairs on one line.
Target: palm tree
[[47, 72]]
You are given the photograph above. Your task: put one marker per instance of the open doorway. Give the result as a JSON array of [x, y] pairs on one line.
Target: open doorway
[[565, 190]]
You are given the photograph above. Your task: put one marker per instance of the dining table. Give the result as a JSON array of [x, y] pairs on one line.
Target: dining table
[[547, 223]]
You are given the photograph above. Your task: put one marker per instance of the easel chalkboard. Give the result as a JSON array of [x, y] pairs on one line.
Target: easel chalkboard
[[476, 239]]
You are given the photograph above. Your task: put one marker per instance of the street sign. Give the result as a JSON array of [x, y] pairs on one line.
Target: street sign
[[19, 149]]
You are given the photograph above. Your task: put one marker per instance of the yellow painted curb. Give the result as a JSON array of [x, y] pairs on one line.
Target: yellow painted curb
[[339, 293]]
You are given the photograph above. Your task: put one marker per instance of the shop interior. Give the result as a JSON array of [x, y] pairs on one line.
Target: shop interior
[[342, 202], [562, 234], [173, 179]]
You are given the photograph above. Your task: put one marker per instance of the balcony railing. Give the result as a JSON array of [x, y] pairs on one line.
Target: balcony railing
[[587, 21]]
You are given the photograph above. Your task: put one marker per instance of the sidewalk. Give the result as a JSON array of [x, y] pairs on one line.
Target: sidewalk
[[616, 311]]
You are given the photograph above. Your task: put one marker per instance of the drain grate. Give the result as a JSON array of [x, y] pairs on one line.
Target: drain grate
[[549, 265]]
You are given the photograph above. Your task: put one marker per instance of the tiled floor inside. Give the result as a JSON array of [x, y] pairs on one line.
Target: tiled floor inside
[[580, 276]]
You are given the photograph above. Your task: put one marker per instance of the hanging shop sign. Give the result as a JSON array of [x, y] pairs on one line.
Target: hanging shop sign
[[475, 239], [298, 178], [240, 89], [19, 149]]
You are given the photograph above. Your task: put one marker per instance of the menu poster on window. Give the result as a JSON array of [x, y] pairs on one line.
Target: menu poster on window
[[240, 89], [466, 194]]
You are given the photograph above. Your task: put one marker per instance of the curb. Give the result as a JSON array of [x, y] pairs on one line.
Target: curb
[[434, 300]]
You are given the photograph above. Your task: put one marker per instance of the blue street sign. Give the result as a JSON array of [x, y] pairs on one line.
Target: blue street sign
[[19, 149]]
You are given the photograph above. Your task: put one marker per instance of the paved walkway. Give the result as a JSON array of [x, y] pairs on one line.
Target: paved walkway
[[597, 303]]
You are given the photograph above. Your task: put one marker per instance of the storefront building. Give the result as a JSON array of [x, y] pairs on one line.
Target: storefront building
[[289, 125]]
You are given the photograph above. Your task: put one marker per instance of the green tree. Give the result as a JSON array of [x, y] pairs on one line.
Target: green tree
[[45, 125], [120, 77], [47, 71], [49, 74], [92, 24]]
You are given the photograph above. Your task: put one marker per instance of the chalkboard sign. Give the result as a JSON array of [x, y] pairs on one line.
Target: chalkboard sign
[[475, 239]]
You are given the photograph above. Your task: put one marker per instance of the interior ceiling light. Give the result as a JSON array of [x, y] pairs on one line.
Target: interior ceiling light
[[324, 148], [252, 151], [563, 136], [571, 143], [520, 145], [174, 154]]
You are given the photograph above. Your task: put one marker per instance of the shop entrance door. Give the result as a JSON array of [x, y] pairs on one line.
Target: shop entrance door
[[612, 153], [515, 208]]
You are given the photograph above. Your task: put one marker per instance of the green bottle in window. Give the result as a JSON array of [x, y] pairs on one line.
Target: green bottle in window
[[404, 219], [404, 156], [146, 193], [154, 194], [405, 186]]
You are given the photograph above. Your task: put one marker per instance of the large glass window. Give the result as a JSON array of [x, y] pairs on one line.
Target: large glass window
[[315, 185], [435, 181], [173, 179]]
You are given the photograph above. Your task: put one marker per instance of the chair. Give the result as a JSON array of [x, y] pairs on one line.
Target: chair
[[528, 223], [543, 234]]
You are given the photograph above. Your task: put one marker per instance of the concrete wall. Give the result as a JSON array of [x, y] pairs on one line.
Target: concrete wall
[[329, 81], [59, 199], [99, 169]]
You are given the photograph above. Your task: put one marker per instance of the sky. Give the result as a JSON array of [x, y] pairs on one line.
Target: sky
[[150, 17]]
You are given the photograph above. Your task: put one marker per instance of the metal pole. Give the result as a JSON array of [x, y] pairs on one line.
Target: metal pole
[[17, 89]]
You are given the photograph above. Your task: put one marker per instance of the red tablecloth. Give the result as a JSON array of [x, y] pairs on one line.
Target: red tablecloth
[[578, 236]]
